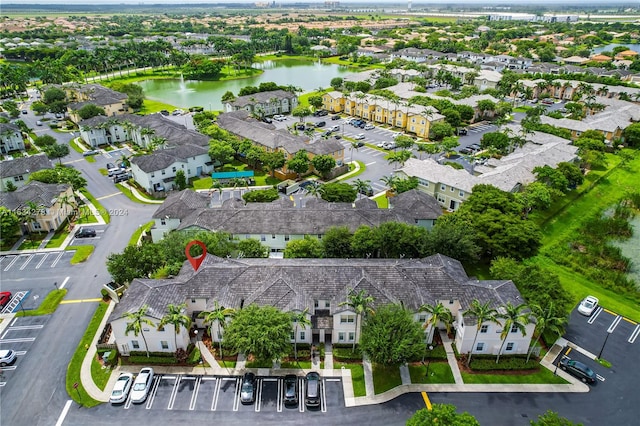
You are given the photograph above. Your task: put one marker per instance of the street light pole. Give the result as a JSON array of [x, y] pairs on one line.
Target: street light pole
[[605, 342], [429, 360]]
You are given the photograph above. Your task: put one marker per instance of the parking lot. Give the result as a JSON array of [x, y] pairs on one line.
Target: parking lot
[[222, 394], [19, 336], [33, 261]]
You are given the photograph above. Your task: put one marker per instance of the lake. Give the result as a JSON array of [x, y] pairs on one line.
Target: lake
[[187, 93], [631, 248], [610, 47]]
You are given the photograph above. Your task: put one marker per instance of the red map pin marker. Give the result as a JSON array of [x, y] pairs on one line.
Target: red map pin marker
[[196, 261]]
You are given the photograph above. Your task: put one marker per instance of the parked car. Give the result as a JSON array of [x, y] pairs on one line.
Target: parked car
[[121, 389], [312, 390], [474, 147], [465, 151], [267, 120], [58, 115], [7, 357], [547, 101], [24, 111], [142, 385], [462, 132], [389, 145], [359, 144], [588, 305], [177, 112], [322, 113], [164, 112], [290, 389], [279, 117], [335, 128], [301, 127], [369, 126], [38, 123], [90, 152], [248, 389], [85, 233], [5, 297], [359, 136], [578, 369], [321, 124], [367, 192], [326, 133], [337, 136], [123, 176], [112, 169], [335, 117]]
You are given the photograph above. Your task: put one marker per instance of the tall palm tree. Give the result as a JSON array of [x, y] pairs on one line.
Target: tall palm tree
[[354, 145], [482, 312], [361, 303], [361, 186], [176, 316], [546, 320], [219, 314], [390, 181], [438, 313], [300, 319], [514, 318], [138, 320]]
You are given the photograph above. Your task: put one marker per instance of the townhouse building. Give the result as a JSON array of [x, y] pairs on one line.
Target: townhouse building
[[114, 103], [10, 138], [18, 170], [321, 286], [264, 104]]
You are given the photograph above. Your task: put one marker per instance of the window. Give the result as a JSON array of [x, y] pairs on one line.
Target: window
[[315, 304], [163, 222], [319, 236], [344, 319], [352, 336], [479, 347], [327, 304], [161, 328], [164, 344], [293, 335], [286, 237], [341, 336], [263, 238], [273, 236], [461, 193], [135, 344], [510, 346], [422, 319], [302, 335], [443, 187], [164, 172], [514, 328], [484, 329], [18, 178], [153, 175]]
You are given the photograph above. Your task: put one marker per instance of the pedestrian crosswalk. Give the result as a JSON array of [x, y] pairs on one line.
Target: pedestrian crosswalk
[[482, 128]]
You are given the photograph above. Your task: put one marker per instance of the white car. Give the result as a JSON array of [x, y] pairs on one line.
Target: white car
[[588, 305], [359, 136], [279, 117], [142, 385], [121, 388], [7, 357], [369, 127]]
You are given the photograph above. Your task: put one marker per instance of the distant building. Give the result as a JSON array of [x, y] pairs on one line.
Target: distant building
[[264, 103]]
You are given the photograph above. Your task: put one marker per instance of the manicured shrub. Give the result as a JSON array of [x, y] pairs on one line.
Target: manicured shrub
[[488, 363]]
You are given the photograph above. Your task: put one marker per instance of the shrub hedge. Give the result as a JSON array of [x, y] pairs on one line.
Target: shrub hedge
[[488, 362], [343, 352]]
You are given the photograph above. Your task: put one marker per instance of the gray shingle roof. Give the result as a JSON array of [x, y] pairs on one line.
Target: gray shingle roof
[[22, 165], [181, 204], [262, 97], [163, 158], [42, 194], [296, 283]]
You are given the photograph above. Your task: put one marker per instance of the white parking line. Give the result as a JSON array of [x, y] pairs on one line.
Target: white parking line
[[154, 390], [26, 327], [258, 391], [323, 400], [280, 400], [236, 396], [301, 395], [368, 164], [216, 392], [55, 262], [64, 283], [614, 324], [194, 396], [11, 263], [9, 368], [20, 340], [174, 392], [599, 377], [634, 334], [42, 261], [24, 265], [332, 380], [65, 410], [594, 315], [4, 383]]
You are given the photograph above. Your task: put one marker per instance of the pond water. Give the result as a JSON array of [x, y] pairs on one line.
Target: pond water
[[187, 93], [631, 249], [610, 47]]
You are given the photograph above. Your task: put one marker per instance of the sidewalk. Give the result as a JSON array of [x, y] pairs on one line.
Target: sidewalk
[[136, 194]]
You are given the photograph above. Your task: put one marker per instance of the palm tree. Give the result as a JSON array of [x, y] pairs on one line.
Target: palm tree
[[354, 145], [361, 186], [68, 201], [482, 313], [390, 181], [438, 313], [300, 318], [219, 314], [138, 319], [176, 316], [546, 320], [514, 319], [359, 302]]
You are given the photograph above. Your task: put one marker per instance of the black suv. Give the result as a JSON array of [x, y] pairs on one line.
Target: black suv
[[248, 389], [321, 124], [85, 233], [312, 390], [291, 389], [462, 132], [578, 369]]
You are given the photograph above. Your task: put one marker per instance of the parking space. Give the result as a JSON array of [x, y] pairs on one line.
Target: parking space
[[33, 261], [19, 337], [575, 355], [222, 394]]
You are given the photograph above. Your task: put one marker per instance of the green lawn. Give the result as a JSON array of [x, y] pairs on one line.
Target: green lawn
[[32, 241], [357, 377], [47, 306], [136, 235], [81, 254], [439, 372], [59, 237], [382, 201], [303, 365], [100, 373], [385, 378], [86, 216], [104, 213], [227, 364], [151, 106], [259, 364], [127, 193], [541, 376]]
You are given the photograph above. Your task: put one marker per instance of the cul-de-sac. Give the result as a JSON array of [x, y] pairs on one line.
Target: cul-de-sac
[[321, 212]]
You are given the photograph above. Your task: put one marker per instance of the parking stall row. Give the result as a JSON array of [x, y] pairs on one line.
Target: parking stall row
[[15, 342], [224, 394], [35, 260]]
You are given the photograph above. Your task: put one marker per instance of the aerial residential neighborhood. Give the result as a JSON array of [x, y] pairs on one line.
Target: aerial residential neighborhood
[[319, 213]]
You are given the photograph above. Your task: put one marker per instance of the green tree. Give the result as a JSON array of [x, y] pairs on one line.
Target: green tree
[[57, 151], [437, 313], [219, 315], [362, 186], [262, 331], [551, 418], [177, 317], [452, 116], [632, 135], [315, 101], [391, 336], [261, 196], [338, 192], [9, 223], [181, 180], [513, 318], [400, 157], [308, 247], [228, 96], [299, 163], [60, 174], [301, 112], [451, 239], [535, 195], [404, 142], [89, 111], [273, 160], [496, 140], [136, 323], [221, 152], [572, 172], [449, 143], [300, 319], [336, 242], [441, 415], [44, 141], [551, 177], [336, 83], [481, 313], [360, 303], [134, 262], [546, 321], [55, 99], [440, 130], [323, 164], [251, 247]]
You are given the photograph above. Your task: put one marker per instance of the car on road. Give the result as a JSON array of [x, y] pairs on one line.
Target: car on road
[[7, 357], [588, 305], [301, 127], [337, 136], [5, 297], [321, 124], [142, 385], [312, 390], [335, 117], [24, 111], [90, 152], [369, 126], [85, 233], [335, 128], [38, 123], [359, 136], [578, 369], [290, 390], [279, 117], [248, 388], [267, 120], [359, 144], [462, 132], [121, 389]]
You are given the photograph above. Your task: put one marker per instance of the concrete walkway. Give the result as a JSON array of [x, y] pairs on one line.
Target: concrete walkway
[[136, 194], [368, 377], [328, 356], [451, 357], [404, 374]]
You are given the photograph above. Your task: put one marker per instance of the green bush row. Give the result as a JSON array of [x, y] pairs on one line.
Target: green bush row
[[151, 360], [153, 354], [487, 363], [344, 352]]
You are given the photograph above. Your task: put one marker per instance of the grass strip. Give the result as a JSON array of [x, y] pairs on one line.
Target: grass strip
[[104, 213], [136, 235], [439, 372], [357, 377], [48, 305], [82, 253], [79, 394], [543, 376], [385, 377], [100, 373], [129, 194]]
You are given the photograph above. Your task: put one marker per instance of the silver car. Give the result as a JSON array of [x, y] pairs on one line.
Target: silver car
[[121, 388], [142, 385]]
